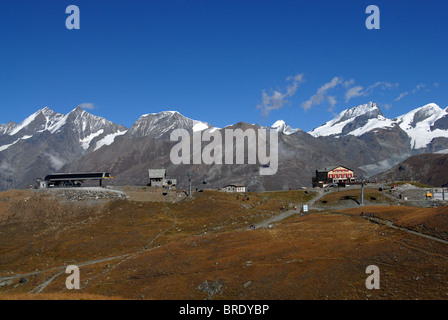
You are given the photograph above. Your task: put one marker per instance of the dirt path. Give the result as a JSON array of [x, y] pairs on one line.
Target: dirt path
[[286, 214], [58, 269], [391, 225]]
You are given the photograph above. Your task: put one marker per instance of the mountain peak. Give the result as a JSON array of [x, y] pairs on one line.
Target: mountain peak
[[161, 114], [432, 105], [281, 126], [77, 110], [370, 110], [424, 124], [278, 123], [421, 124], [430, 110], [161, 123], [352, 119]]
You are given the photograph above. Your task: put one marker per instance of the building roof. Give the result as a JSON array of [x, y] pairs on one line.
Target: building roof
[[157, 173], [235, 185], [77, 176], [329, 168]]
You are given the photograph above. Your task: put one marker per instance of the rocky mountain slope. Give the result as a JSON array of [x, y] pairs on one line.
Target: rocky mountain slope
[[430, 169], [366, 142], [361, 138], [46, 141]]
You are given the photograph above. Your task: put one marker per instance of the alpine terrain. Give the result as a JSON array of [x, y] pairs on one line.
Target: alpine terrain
[[361, 138]]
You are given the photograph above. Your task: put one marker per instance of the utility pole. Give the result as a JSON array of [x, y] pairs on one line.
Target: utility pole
[[362, 190], [189, 175]]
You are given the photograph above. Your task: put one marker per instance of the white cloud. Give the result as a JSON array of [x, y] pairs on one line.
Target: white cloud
[[276, 99], [401, 96], [321, 95], [436, 84], [88, 105], [349, 83], [387, 106], [332, 101], [359, 91], [418, 87], [414, 91], [353, 93]]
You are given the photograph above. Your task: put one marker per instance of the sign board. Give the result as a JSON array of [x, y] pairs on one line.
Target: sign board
[[305, 208]]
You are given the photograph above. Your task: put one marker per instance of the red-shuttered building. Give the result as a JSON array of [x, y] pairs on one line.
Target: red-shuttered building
[[333, 174]]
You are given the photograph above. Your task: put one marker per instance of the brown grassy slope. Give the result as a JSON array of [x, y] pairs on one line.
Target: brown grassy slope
[[352, 197], [40, 232], [57, 296], [431, 221], [207, 241], [312, 257]]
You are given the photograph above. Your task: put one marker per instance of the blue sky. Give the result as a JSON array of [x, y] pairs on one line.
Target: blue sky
[[222, 62]]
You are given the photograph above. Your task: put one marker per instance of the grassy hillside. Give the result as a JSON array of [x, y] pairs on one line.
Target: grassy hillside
[[204, 249]]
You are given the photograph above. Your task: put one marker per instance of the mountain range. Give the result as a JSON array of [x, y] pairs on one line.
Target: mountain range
[[361, 138]]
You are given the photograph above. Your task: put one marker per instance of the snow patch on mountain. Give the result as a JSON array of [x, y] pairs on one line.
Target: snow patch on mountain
[[6, 146], [373, 124], [108, 139], [200, 126], [24, 123], [55, 127], [333, 127], [85, 143]]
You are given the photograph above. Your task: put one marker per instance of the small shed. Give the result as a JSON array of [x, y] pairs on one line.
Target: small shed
[[157, 177]]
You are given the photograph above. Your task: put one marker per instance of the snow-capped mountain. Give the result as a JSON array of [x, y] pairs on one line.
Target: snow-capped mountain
[[421, 125], [42, 120], [424, 124], [160, 124], [362, 138], [354, 121], [282, 127], [7, 127], [46, 140], [90, 130]]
